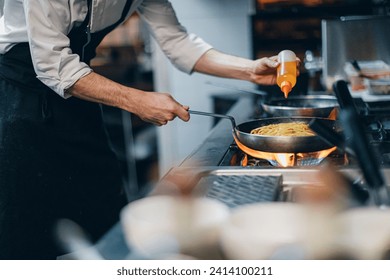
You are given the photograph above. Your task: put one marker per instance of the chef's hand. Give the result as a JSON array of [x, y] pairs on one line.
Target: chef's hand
[[157, 108], [264, 70], [160, 108], [261, 71]]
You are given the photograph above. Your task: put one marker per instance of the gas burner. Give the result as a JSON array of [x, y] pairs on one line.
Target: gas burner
[[382, 151], [288, 159], [379, 129], [236, 157], [251, 161], [298, 159]]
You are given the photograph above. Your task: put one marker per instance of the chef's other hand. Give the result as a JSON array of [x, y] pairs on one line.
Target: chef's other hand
[[264, 70], [160, 108]]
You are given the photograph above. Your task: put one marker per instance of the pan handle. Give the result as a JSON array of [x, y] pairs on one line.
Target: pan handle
[[329, 135], [232, 120], [344, 96]]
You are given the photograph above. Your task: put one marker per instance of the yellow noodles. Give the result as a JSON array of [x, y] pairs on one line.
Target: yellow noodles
[[284, 129]]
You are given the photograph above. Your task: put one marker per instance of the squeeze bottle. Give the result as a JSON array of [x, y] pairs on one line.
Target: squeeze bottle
[[286, 77]]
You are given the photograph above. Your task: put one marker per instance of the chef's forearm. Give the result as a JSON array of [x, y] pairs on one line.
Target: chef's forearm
[[223, 65], [154, 107], [97, 88]]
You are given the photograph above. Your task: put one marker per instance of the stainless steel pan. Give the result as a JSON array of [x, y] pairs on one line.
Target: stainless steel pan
[[275, 144], [315, 105], [303, 106]]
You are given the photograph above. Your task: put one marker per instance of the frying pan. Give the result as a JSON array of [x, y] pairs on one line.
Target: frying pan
[[275, 144], [319, 105], [306, 106]]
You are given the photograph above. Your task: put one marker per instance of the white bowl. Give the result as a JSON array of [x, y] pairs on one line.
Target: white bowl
[[366, 232], [256, 231], [159, 225]]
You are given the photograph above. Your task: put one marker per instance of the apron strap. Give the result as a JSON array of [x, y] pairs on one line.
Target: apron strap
[[84, 43]]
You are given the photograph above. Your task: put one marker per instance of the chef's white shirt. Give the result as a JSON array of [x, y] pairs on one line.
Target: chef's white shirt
[[44, 24]]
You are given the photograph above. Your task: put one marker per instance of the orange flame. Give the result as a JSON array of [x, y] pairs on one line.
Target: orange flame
[[333, 114], [284, 159]]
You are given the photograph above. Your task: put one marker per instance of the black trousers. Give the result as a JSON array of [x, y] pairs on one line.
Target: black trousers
[[55, 162]]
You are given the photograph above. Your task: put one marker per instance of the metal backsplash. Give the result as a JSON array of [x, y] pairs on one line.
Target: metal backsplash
[[349, 38]]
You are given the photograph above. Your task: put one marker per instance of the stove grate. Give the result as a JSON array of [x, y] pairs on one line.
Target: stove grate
[[236, 190]]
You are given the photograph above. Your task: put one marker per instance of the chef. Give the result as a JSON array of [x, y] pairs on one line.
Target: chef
[[55, 158]]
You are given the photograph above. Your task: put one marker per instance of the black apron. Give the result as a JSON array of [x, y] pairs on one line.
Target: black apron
[[55, 158]]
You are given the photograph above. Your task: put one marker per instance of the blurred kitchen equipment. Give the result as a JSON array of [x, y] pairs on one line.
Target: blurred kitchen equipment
[[75, 242], [379, 86], [358, 192], [332, 187], [353, 191], [357, 141], [256, 231], [190, 225], [329, 135], [356, 66], [312, 63], [361, 73], [368, 162], [274, 144], [344, 96], [349, 38], [374, 74], [305, 106], [366, 232]]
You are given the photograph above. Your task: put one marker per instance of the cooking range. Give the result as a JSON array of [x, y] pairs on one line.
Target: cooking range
[[236, 157], [377, 123], [226, 170]]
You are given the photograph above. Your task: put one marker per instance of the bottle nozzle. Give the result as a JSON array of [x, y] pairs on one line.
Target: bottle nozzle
[[286, 88]]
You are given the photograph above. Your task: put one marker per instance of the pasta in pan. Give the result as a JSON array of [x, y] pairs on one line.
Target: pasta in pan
[[284, 129]]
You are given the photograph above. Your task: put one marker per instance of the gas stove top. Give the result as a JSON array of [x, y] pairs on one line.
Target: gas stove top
[[220, 156], [219, 149], [235, 157], [376, 118]]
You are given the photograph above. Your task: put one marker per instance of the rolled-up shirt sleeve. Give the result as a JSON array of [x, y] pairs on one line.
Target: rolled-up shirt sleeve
[[182, 49], [48, 23]]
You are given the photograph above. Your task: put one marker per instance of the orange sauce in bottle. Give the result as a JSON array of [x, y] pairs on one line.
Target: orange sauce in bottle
[[287, 71]]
